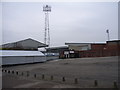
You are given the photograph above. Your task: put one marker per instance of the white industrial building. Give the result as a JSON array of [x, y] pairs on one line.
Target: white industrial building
[[14, 57], [21, 52]]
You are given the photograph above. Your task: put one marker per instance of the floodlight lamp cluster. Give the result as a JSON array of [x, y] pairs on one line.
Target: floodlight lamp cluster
[[47, 8]]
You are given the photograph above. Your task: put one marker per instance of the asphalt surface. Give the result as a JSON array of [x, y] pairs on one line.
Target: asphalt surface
[[86, 70]]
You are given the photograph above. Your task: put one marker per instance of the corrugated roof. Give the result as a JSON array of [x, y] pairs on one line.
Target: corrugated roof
[[20, 53], [14, 44]]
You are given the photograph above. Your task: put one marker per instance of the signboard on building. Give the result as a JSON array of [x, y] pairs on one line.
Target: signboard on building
[[71, 51], [66, 52]]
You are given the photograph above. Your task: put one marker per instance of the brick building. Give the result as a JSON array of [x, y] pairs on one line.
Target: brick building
[[110, 48]]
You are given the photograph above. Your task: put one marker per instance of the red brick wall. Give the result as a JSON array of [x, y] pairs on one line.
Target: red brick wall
[[97, 46], [102, 50]]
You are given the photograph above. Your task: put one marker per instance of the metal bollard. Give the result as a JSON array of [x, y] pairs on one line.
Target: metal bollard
[[43, 76], [16, 73], [51, 77], [12, 72], [27, 73], [8, 71], [63, 79], [76, 81], [22, 73], [5, 70], [96, 83], [35, 75], [115, 85]]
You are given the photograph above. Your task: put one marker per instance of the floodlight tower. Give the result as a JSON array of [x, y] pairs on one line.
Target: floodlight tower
[[47, 9], [107, 31]]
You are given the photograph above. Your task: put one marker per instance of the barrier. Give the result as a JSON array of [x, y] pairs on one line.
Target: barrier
[[74, 80], [34, 75], [8, 71], [95, 83], [63, 79], [22, 73], [5, 70], [43, 76], [12, 72], [115, 84], [27, 73], [51, 77], [16, 72]]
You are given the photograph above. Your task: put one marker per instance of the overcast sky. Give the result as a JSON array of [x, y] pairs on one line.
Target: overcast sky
[[79, 22]]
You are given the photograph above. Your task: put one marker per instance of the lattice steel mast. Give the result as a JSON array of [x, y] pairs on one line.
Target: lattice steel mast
[[47, 9]]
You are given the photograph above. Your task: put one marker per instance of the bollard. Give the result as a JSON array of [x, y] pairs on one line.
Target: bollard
[[34, 75], [12, 72], [27, 73], [8, 71], [43, 76], [22, 73], [5, 70], [96, 83], [2, 70], [51, 77], [63, 79], [76, 81], [16, 73], [115, 85]]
